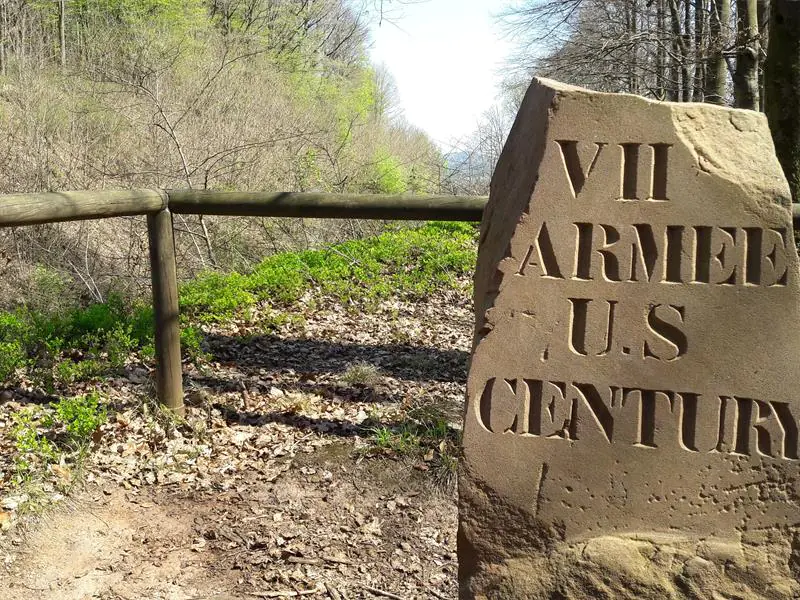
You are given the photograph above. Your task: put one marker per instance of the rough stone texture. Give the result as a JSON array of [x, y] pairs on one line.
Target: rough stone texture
[[631, 422]]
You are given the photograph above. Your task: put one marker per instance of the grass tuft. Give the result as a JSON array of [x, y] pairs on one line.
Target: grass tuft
[[362, 373]]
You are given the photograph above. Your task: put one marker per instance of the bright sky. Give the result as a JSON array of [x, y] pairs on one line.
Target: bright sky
[[446, 57]]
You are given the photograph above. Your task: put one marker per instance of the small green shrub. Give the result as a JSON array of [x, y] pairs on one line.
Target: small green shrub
[[192, 341], [61, 434], [216, 296], [391, 441], [119, 343], [81, 416], [142, 324], [280, 279], [409, 263], [148, 351], [403, 439], [34, 451], [103, 333], [424, 435], [68, 371], [94, 318], [382, 437], [14, 326], [12, 357]]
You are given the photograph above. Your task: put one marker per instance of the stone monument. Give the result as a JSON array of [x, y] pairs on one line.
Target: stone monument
[[631, 427]]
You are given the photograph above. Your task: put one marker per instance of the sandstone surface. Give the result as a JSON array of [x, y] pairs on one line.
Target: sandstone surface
[[632, 414]]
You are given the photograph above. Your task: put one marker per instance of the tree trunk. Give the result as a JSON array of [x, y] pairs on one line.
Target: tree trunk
[[678, 66], [782, 83], [763, 38], [661, 55], [633, 62], [717, 72], [686, 51], [3, 39], [699, 50], [745, 79], [62, 31]]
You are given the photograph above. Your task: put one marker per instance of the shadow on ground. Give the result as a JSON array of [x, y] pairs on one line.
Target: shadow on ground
[[313, 356]]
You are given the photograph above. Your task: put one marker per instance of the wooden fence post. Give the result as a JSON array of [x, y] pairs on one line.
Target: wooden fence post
[[169, 374]]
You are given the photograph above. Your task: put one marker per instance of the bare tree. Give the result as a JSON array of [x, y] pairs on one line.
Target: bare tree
[[62, 31], [679, 50], [700, 49], [745, 78], [782, 79], [717, 70]]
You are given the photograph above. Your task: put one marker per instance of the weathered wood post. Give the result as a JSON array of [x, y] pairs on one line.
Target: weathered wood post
[[169, 376]]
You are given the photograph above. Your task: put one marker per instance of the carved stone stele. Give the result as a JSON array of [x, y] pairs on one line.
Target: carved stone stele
[[633, 399]]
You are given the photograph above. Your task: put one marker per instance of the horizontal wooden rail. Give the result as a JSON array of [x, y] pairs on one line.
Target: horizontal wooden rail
[[158, 205], [327, 206], [50, 207]]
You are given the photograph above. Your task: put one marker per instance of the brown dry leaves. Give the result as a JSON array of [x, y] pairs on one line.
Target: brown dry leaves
[[271, 455]]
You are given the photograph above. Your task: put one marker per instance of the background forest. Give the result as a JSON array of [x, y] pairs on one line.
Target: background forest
[[677, 50], [280, 95], [222, 94], [714, 51]]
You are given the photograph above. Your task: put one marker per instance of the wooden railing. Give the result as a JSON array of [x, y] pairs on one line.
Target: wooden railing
[[158, 205]]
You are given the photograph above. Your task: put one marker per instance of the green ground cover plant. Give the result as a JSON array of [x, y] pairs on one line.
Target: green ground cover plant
[[409, 263], [57, 434], [58, 347]]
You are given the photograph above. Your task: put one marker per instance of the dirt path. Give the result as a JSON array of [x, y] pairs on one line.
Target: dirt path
[[327, 523], [106, 546], [277, 484]]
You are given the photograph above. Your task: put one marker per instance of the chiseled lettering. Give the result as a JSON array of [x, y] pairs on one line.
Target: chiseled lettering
[[718, 255], [632, 186], [550, 409], [766, 260], [668, 341], [676, 271], [699, 422], [576, 173], [644, 253], [647, 263], [615, 246], [658, 190], [656, 407], [788, 424], [583, 251], [726, 432], [588, 334], [542, 257], [630, 172], [765, 428], [498, 408], [646, 418], [595, 406]]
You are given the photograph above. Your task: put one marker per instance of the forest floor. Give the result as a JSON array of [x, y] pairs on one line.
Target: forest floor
[[316, 459]]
